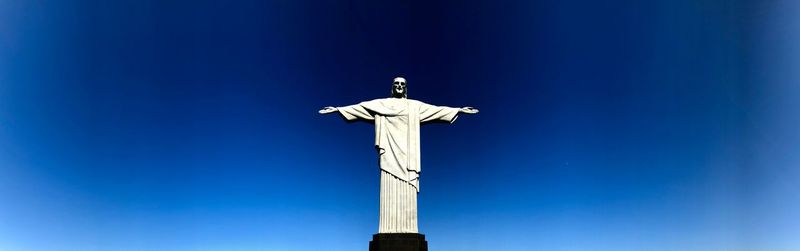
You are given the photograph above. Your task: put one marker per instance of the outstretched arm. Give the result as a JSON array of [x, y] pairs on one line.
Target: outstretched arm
[[328, 109], [468, 110], [430, 113], [350, 112]]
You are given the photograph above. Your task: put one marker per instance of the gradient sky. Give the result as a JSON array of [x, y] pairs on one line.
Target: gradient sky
[[604, 125]]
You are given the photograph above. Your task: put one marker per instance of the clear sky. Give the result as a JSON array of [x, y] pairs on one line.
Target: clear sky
[[604, 125]]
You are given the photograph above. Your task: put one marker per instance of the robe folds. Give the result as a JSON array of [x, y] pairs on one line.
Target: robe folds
[[397, 122]]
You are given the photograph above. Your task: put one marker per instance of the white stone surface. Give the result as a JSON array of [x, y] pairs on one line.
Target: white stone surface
[[397, 121]]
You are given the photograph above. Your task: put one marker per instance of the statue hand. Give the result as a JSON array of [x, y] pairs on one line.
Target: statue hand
[[328, 109], [469, 110]]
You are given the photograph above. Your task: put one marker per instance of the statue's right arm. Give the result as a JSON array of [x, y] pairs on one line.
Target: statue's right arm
[[350, 112], [328, 109]]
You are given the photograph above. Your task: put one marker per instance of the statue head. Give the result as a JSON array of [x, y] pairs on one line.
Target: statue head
[[399, 88]]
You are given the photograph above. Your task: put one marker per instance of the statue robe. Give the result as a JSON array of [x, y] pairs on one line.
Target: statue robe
[[397, 123]]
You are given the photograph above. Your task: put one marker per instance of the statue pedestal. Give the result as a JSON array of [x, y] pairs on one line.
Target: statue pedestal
[[398, 242]]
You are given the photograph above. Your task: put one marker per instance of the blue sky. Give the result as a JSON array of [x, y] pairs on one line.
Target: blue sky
[[193, 125]]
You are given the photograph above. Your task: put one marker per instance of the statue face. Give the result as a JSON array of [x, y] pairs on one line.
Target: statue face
[[399, 87]]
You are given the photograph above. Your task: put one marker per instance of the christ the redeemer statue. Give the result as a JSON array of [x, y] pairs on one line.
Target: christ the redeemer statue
[[397, 120]]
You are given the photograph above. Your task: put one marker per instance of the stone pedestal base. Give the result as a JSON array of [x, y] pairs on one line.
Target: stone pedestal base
[[398, 242]]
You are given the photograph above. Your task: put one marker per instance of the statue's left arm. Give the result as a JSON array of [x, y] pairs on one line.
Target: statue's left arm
[[428, 113]]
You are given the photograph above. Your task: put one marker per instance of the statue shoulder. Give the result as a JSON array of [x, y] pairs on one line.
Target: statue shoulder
[[376, 101], [415, 102], [377, 105]]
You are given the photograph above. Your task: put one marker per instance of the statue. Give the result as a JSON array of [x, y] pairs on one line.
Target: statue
[[397, 122]]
